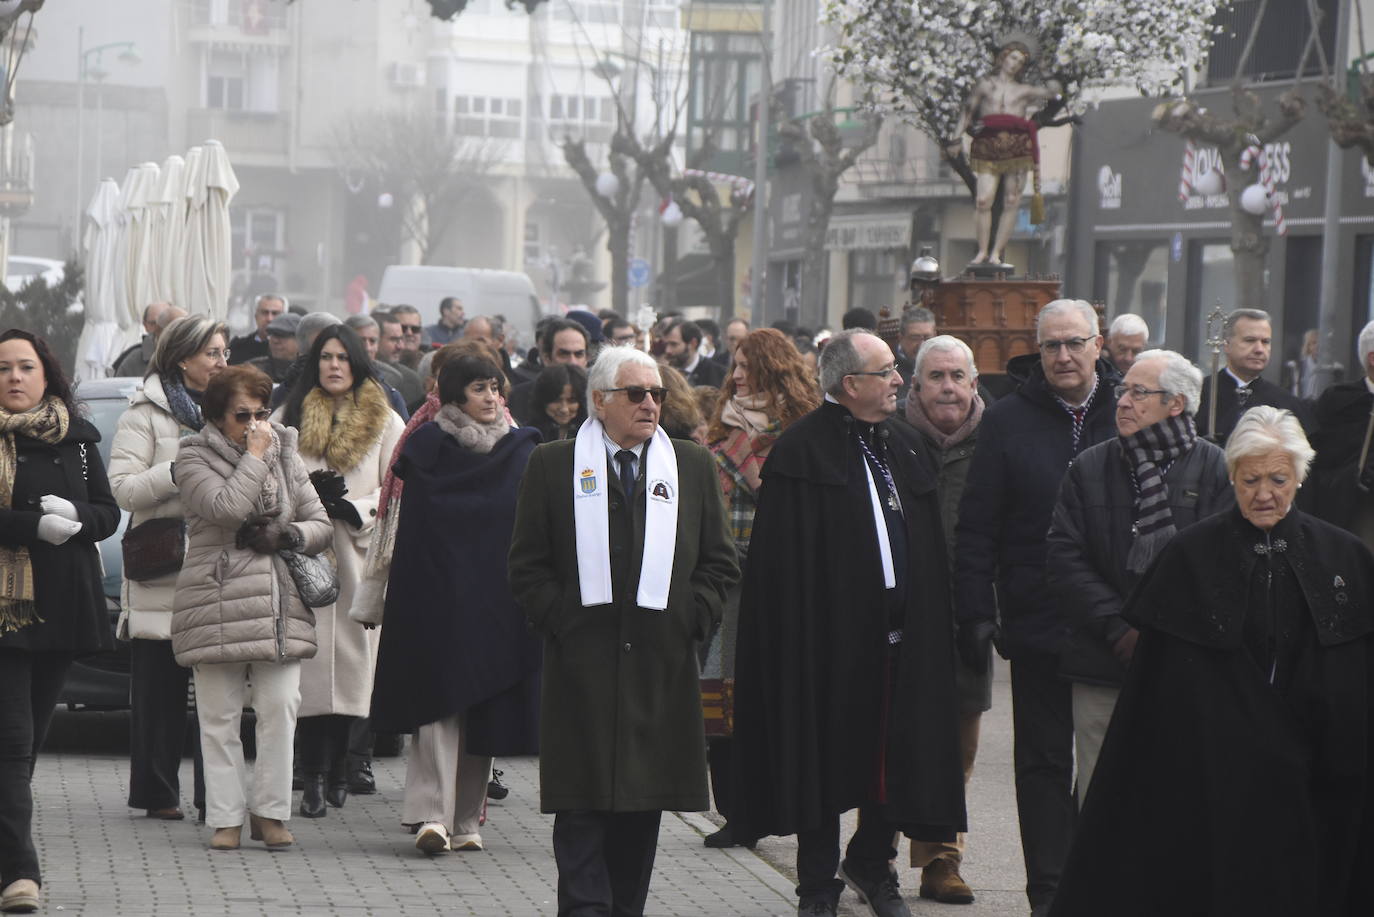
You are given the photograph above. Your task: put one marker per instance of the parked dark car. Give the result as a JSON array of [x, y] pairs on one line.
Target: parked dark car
[[101, 682]]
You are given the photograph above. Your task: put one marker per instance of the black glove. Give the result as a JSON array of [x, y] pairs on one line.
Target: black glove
[[329, 484], [343, 510], [263, 534], [972, 639]]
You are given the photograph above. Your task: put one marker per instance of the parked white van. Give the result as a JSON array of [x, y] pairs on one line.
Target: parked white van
[[482, 292]]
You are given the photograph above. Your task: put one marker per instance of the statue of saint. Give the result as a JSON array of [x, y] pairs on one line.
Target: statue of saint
[[1005, 146]]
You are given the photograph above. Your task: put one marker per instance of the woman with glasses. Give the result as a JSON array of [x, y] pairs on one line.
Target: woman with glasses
[[166, 407], [348, 433], [456, 664], [237, 618], [769, 388]]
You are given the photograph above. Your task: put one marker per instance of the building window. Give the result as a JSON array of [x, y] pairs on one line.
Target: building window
[[1134, 277], [1211, 280], [874, 276], [258, 238], [589, 117], [606, 12], [724, 82], [483, 116], [241, 82]]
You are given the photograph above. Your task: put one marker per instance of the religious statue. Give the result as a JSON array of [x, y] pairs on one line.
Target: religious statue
[[1005, 146]]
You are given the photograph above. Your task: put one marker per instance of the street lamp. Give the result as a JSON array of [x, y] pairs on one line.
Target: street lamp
[[88, 67]]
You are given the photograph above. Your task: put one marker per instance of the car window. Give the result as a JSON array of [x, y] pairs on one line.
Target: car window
[[105, 414]]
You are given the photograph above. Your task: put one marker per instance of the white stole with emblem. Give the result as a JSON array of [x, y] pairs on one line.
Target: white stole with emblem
[[591, 486]]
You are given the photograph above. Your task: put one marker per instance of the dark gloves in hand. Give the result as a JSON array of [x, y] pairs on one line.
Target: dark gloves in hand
[[342, 510], [972, 639], [329, 484], [264, 534]]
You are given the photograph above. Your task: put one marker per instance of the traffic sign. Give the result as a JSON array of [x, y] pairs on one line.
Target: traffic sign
[[638, 272]]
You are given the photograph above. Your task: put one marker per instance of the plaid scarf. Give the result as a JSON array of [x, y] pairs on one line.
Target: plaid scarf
[[1149, 451], [48, 422]]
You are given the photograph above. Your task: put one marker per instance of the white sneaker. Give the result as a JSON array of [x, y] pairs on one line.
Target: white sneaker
[[432, 838], [466, 842]]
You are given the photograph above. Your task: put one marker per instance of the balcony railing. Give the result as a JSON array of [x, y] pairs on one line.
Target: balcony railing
[[251, 17], [240, 131]]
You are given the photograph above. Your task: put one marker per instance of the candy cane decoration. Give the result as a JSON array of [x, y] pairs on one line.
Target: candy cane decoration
[[1255, 154], [1186, 177]]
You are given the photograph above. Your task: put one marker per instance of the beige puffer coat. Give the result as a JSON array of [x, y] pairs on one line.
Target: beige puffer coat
[[234, 605], [141, 455]]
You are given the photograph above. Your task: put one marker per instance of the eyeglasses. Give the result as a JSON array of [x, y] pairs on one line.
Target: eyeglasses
[[217, 355], [1052, 348], [880, 373], [411, 329], [636, 393], [259, 414], [1138, 393]]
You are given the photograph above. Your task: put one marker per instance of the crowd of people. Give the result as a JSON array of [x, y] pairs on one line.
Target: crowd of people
[[688, 551]]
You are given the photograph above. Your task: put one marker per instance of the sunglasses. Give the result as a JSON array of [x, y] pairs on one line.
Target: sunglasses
[[411, 329], [636, 393], [259, 414]]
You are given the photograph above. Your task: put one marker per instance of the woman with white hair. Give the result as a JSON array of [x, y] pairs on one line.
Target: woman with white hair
[[1246, 725]]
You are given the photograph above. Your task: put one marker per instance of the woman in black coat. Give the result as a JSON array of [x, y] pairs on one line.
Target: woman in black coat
[[456, 664], [55, 505]]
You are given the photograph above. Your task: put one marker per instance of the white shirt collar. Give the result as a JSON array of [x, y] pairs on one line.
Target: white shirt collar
[[1240, 383], [1369, 384], [696, 358], [612, 448]]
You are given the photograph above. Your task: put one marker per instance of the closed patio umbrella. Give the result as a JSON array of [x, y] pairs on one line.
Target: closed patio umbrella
[[210, 186], [101, 338], [167, 215]]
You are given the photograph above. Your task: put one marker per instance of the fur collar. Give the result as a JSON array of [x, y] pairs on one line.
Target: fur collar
[[344, 437], [471, 435]]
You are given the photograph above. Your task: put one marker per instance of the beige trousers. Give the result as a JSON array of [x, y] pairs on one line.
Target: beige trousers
[[923, 852], [222, 691], [444, 783], [1092, 711]]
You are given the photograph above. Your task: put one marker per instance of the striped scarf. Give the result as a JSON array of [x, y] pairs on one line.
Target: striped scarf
[[47, 422], [1150, 451]]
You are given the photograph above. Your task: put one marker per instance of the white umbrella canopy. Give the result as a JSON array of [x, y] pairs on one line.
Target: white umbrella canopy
[[122, 308], [100, 334], [167, 218], [140, 269], [181, 254], [210, 186]]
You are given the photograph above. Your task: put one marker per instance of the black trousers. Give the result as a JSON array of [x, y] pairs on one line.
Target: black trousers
[[158, 728], [1042, 717], [29, 686], [322, 744], [868, 853], [359, 741], [605, 861]]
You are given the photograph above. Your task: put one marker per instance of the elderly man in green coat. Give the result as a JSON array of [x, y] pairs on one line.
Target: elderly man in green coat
[[621, 559]]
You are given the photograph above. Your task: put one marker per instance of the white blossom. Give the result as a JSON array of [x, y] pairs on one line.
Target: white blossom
[[920, 59]]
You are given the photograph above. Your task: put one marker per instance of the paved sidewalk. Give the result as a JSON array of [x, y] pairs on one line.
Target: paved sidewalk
[[101, 858]]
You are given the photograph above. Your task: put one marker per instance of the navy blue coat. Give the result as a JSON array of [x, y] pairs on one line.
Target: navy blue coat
[[1025, 444], [453, 638]]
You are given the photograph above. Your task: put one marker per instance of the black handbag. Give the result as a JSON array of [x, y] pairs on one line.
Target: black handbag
[[316, 581], [154, 549]]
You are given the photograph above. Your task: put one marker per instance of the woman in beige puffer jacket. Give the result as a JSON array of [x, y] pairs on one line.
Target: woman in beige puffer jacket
[[190, 351], [237, 618]]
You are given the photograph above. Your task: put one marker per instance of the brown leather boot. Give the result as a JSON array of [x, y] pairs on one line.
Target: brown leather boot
[[940, 880], [271, 831]]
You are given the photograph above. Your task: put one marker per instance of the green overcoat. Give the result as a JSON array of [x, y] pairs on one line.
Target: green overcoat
[[621, 723]]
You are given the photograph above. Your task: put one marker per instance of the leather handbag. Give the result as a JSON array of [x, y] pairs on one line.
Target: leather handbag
[[316, 581], [154, 549]]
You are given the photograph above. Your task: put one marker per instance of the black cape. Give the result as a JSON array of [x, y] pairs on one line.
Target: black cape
[[812, 650], [453, 638], [1331, 491], [1262, 391], [1216, 794]]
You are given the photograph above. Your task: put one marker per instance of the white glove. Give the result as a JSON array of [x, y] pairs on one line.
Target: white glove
[[59, 507], [56, 530]]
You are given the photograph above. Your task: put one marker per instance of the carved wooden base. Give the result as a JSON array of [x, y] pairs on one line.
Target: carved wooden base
[[996, 318]]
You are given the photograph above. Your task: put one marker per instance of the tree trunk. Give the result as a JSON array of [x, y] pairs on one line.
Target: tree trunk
[[1249, 244], [618, 244], [814, 286]]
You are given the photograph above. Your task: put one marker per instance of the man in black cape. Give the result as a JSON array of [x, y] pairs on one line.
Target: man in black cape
[[845, 692], [1341, 487], [1239, 384]]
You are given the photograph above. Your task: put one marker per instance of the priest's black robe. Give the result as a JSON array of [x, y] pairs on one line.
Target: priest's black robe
[[812, 659], [1235, 778]]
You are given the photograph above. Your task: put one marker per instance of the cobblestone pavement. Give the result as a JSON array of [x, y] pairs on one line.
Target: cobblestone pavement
[[101, 858]]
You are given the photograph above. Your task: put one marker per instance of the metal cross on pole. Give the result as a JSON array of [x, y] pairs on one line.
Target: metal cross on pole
[[1215, 339]]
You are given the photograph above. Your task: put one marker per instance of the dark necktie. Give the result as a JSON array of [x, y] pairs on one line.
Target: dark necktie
[[626, 459]]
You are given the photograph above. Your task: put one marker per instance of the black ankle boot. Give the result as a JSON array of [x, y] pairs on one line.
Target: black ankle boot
[[337, 793], [312, 800]]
